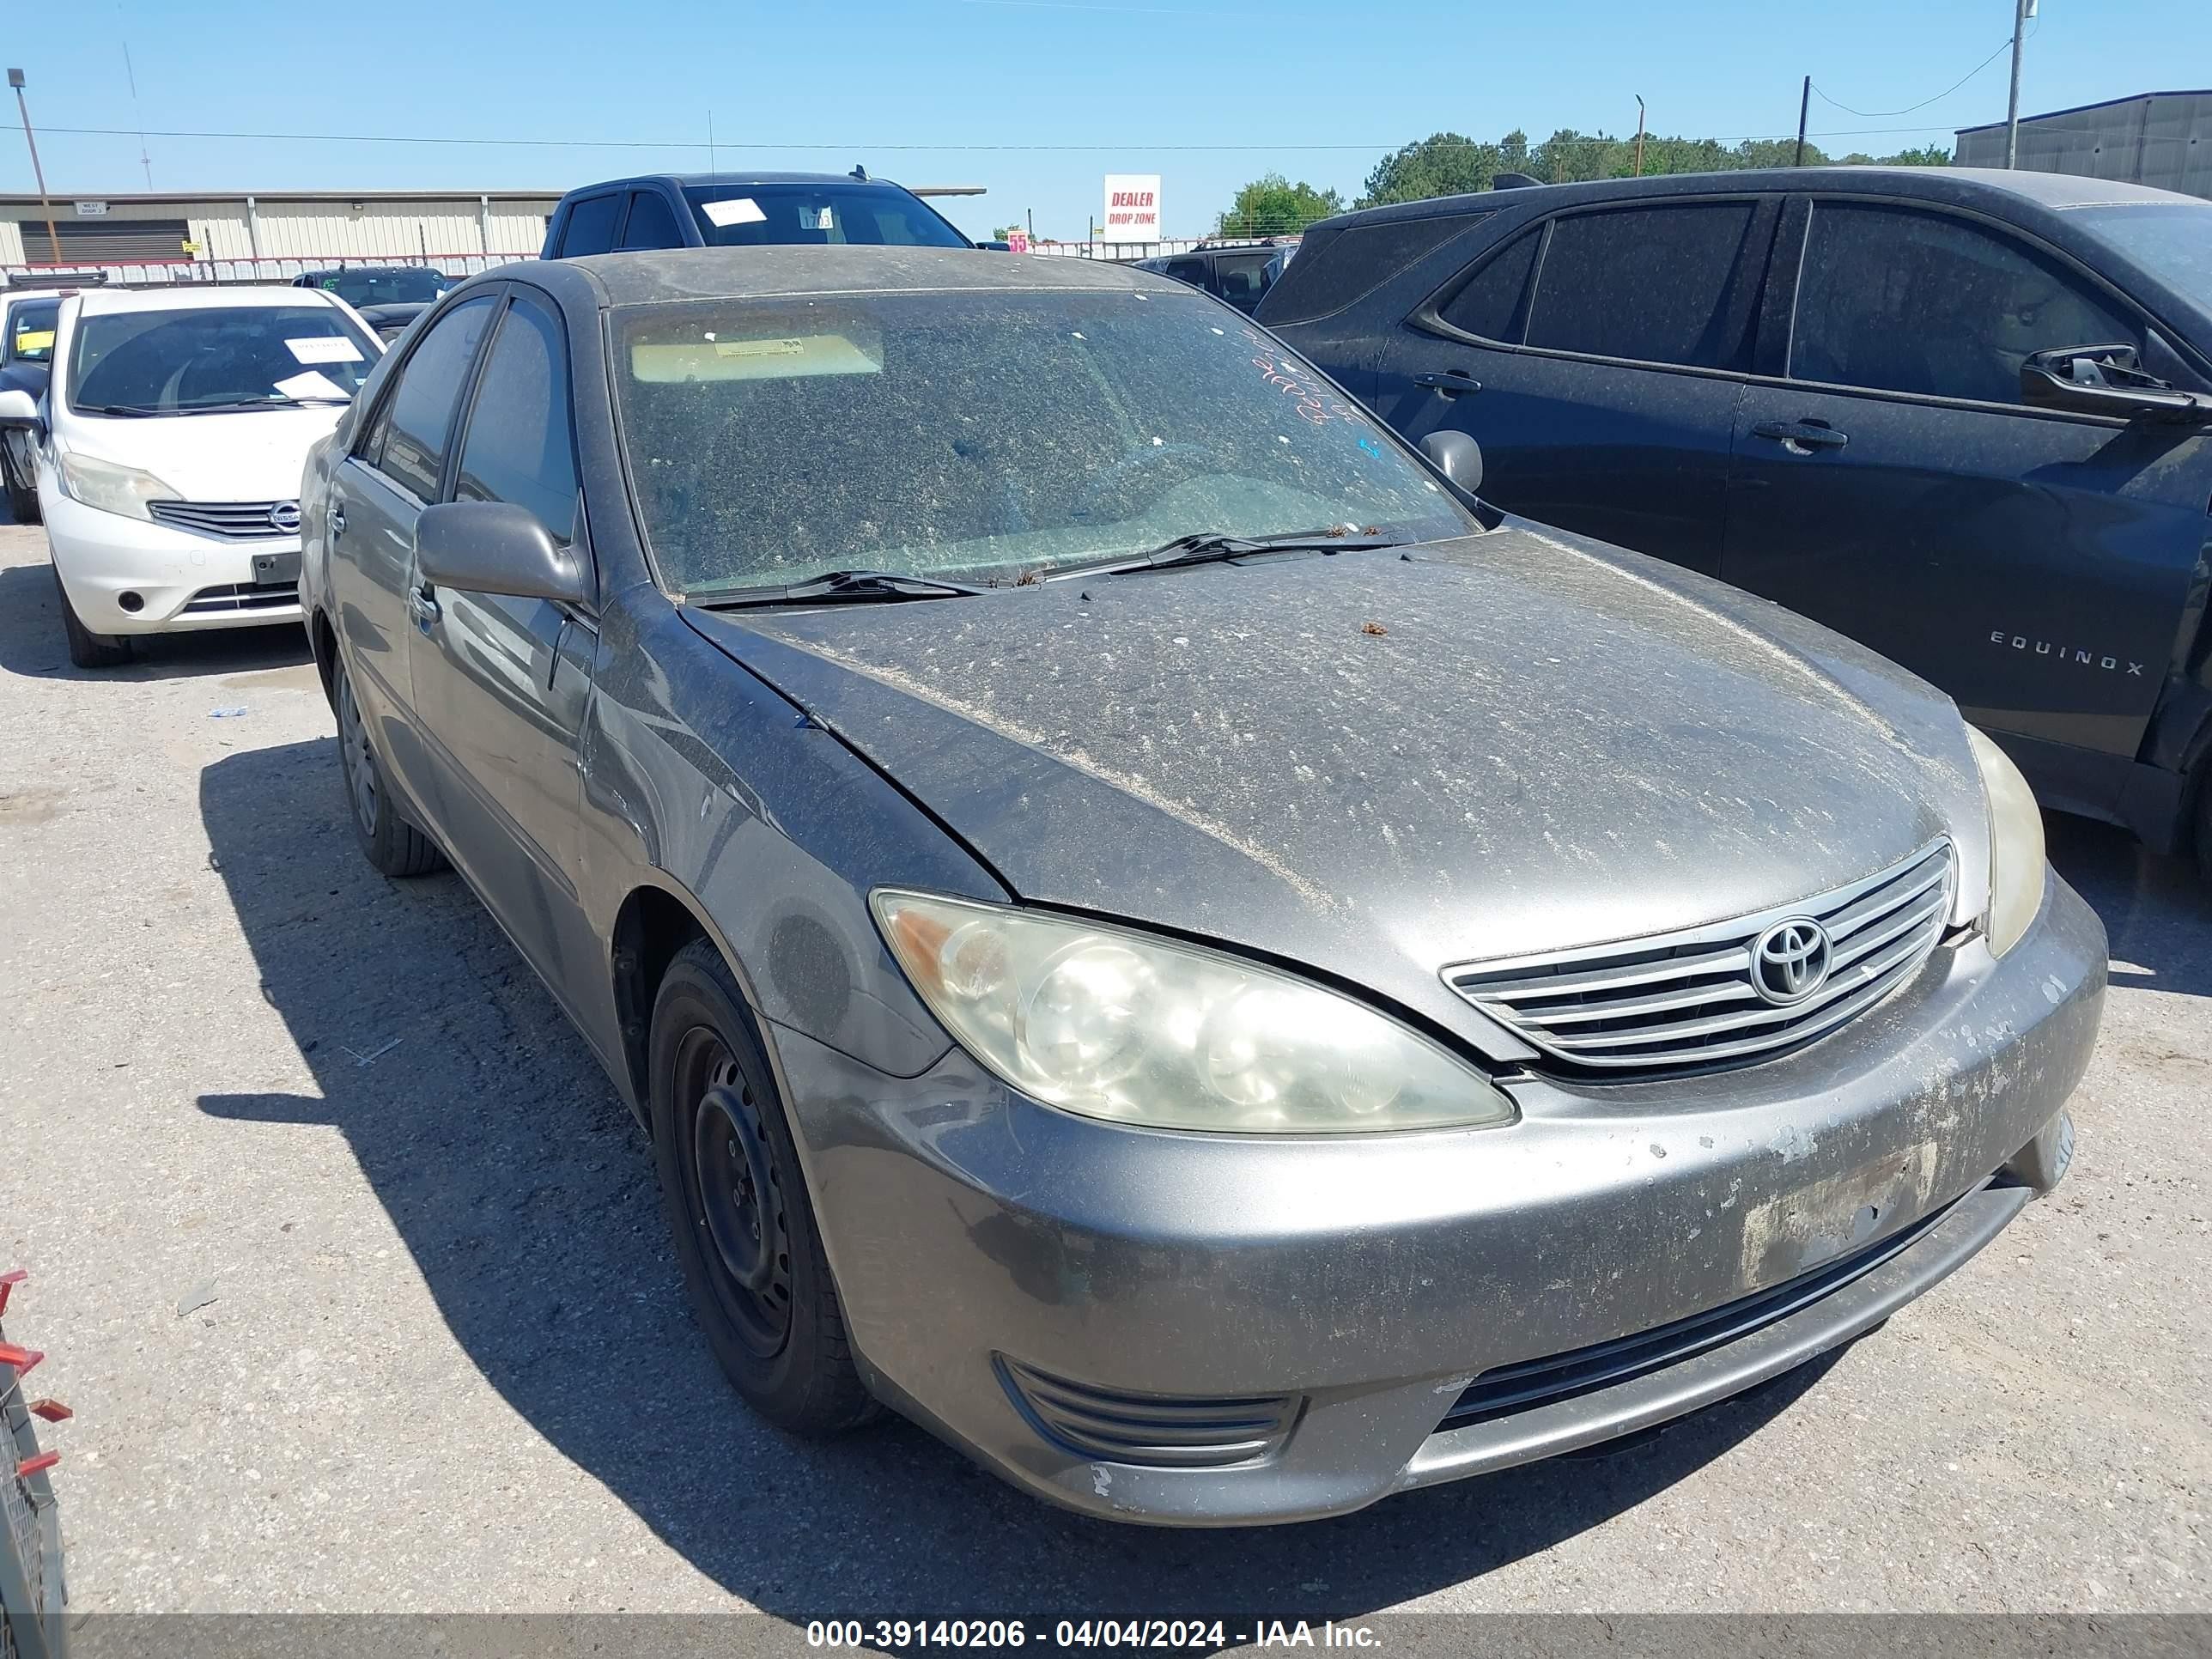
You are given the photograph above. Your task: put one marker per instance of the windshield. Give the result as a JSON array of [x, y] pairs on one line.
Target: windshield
[[386, 287], [175, 362], [2170, 240], [988, 434], [31, 331], [755, 216]]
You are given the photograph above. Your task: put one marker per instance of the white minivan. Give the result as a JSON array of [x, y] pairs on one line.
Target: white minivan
[[170, 442]]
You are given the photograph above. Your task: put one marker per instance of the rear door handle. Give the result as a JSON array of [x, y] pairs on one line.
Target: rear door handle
[[1801, 437], [1449, 381]]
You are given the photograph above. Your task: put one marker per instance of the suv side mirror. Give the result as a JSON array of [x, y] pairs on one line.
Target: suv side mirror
[[2107, 380], [20, 410], [1456, 455], [497, 547]]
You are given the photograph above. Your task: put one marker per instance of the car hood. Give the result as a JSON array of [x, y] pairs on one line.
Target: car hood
[[256, 455], [1379, 764]]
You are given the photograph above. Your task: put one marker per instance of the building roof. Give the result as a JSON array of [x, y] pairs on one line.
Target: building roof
[[2078, 109]]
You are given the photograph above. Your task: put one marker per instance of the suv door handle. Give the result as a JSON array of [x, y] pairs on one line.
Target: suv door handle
[[1801, 437], [422, 607], [1449, 381], [335, 517]]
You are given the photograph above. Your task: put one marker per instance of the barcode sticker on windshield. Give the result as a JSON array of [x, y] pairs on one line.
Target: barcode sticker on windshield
[[325, 349], [737, 210]]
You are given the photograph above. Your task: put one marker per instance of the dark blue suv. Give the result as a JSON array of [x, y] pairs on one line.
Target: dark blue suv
[[1964, 416], [742, 209]]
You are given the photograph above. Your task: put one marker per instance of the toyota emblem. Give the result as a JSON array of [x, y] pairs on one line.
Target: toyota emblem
[[284, 518], [1791, 961]]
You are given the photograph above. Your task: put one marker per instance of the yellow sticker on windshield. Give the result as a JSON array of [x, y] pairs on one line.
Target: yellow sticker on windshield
[[37, 339], [784, 358]]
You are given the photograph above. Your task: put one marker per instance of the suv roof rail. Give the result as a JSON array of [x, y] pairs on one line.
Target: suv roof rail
[[1515, 181]]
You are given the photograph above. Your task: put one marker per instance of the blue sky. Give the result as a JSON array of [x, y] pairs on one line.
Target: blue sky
[[1034, 99]]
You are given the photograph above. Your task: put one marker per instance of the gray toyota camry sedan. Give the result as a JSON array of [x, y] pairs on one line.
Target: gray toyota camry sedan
[[1151, 932]]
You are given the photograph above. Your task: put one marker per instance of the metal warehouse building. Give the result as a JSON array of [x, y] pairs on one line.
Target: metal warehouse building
[[291, 226], [2159, 139]]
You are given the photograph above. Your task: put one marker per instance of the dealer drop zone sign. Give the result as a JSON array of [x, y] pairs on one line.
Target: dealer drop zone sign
[[1132, 207]]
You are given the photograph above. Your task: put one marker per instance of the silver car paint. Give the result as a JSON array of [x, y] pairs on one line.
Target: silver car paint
[[1565, 744]]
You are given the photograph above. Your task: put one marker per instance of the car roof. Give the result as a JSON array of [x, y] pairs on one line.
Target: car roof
[[779, 271], [2055, 191], [98, 301], [717, 180]]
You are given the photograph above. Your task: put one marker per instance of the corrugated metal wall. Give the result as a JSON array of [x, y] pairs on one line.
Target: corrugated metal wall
[[330, 229], [2164, 140]]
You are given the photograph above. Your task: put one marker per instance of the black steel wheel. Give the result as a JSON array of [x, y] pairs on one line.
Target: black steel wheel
[[738, 1205]]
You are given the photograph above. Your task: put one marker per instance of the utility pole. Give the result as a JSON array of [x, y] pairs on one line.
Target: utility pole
[[1640, 135], [1804, 104], [2021, 11], [53, 236]]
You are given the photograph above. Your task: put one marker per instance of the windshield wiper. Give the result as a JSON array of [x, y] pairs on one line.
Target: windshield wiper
[[1208, 547], [120, 409], [839, 586]]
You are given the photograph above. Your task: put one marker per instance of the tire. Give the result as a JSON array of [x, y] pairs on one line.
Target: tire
[[390, 843], [85, 648], [2202, 823], [763, 1294], [22, 502]]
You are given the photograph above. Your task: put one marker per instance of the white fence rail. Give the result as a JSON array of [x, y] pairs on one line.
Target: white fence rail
[[178, 272]]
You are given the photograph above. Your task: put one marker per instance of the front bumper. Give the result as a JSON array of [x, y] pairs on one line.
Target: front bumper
[[1031, 1284], [183, 581]]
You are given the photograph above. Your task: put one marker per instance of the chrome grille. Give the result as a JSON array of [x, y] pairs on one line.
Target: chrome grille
[[1692, 998], [242, 596], [233, 521]]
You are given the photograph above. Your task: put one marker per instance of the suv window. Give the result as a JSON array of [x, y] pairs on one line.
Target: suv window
[[1490, 305], [1655, 284], [31, 331], [651, 223], [407, 443], [1896, 300], [591, 226], [1331, 271], [517, 447]]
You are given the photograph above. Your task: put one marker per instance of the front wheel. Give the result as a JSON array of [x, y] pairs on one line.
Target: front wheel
[[393, 846], [737, 1203], [85, 648]]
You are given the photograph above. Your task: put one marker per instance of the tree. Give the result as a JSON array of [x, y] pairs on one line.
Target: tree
[[1442, 164], [1273, 205]]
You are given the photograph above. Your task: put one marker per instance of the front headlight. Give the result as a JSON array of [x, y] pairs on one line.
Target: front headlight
[[1112, 1023], [112, 487], [2016, 845]]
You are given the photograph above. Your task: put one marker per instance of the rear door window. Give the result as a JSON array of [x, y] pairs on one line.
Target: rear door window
[[591, 226], [1332, 271], [1894, 298], [1664, 284], [651, 223], [407, 443], [1489, 305]]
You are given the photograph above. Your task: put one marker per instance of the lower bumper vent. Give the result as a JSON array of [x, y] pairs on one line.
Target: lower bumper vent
[[1161, 1432], [242, 596], [1504, 1390]]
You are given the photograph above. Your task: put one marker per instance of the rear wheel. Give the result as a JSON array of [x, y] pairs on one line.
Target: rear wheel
[[22, 497], [737, 1203], [387, 840], [2202, 823], [85, 648]]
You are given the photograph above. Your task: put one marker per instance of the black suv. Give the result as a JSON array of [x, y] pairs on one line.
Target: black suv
[[1238, 274], [1964, 416], [742, 209]]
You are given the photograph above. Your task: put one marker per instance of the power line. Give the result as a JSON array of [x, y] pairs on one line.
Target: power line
[[2003, 46], [845, 144]]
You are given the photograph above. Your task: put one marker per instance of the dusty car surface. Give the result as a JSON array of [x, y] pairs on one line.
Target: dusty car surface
[[1150, 932]]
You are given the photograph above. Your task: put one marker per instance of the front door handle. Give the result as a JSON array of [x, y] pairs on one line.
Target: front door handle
[[1801, 437], [335, 517], [1449, 381], [422, 605]]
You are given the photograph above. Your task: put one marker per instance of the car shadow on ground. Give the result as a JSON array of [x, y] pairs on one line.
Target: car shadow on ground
[[2157, 910], [524, 1192], [31, 643]]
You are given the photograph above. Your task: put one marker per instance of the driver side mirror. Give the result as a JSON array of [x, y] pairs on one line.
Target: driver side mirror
[[1456, 455], [20, 410], [2106, 380], [497, 547]]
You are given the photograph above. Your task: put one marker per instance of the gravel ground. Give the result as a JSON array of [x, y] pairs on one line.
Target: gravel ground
[[352, 1265]]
